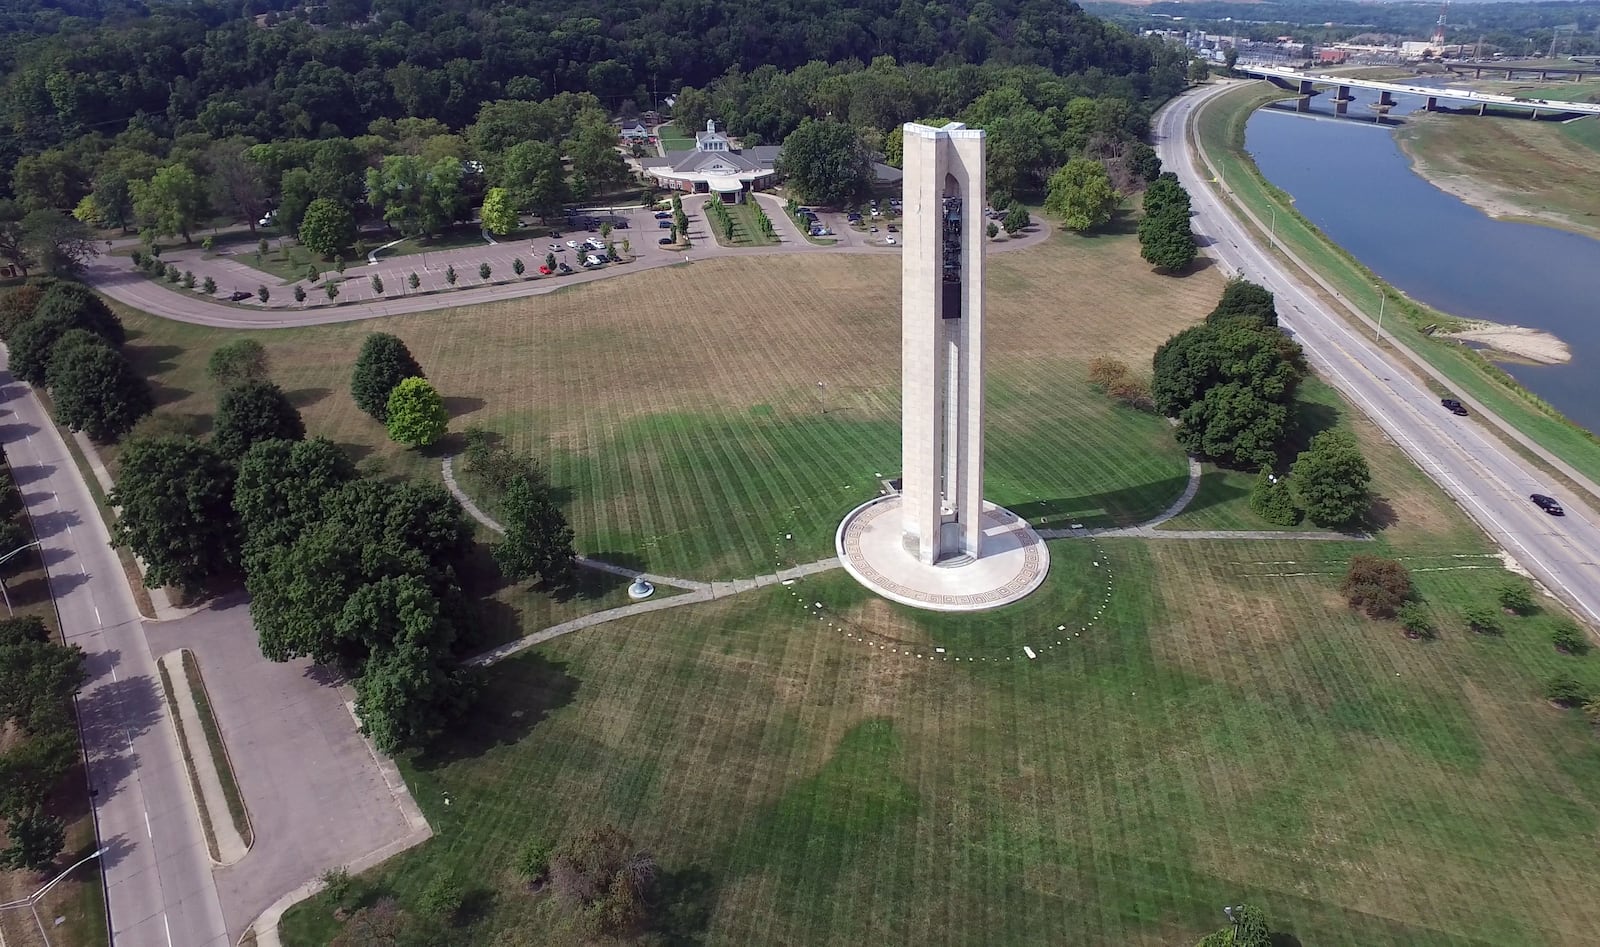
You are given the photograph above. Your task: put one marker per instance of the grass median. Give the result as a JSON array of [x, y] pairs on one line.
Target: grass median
[[219, 751], [1219, 131]]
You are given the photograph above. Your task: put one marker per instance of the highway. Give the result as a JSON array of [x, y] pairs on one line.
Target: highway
[[1433, 92], [1488, 481], [157, 871]]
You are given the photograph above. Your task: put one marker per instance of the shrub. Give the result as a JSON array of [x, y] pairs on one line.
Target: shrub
[[337, 885], [1376, 586], [1105, 372], [188, 279], [172, 274], [1569, 639], [992, 230], [1414, 619], [1133, 393], [1272, 500], [442, 898], [210, 286], [1563, 691], [1515, 597], [450, 275], [534, 859], [484, 270], [137, 257], [1483, 620]]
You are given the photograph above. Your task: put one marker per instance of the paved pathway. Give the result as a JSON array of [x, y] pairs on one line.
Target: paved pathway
[[115, 276]]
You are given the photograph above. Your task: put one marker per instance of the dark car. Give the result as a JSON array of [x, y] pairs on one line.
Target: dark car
[[555, 235], [241, 296], [564, 268], [664, 224], [1454, 407], [1548, 504], [622, 223], [665, 241], [663, 215]]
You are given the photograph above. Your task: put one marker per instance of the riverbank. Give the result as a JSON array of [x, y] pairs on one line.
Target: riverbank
[[1219, 132], [1534, 346], [1534, 172]]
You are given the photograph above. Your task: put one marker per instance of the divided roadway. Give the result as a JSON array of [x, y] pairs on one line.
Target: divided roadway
[[1490, 483]]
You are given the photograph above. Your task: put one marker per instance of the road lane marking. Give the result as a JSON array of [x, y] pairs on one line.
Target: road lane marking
[[147, 825], [168, 927]]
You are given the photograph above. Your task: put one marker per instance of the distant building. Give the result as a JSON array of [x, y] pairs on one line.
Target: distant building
[[715, 166], [1331, 56], [634, 132]]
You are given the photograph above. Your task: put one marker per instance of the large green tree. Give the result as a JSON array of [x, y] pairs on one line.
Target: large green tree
[[531, 171], [1081, 195], [280, 489], [538, 540], [498, 213], [251, 412], [414, 197], [237, 362], [32, 768], [384, 362], [1165, 239], [37, 681], [1235, 425], [1333, 480], [327, 227], [176, 497], [36, 840], [826, 163], [94, 388], [171, 202], [597, 166], [1242, 299], [62, 245]]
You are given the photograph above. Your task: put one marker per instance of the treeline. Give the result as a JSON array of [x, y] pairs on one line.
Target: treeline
[[210, 67]]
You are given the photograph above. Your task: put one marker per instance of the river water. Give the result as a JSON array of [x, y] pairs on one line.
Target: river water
[[1352, 180]]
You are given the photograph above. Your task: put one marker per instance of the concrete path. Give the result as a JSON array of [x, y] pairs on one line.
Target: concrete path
[[231, 845]]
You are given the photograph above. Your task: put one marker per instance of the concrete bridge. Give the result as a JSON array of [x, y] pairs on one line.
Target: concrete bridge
[[1512, 70], [1303, 85]]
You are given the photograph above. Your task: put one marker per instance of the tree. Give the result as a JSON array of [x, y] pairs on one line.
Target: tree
[[1016, 220], [331, 290], [450, 274], [1569, 638], [550, 262], [299, 293], [263, 294], [484, 270], [1242, 299], [498, 213], [1166, 241], [33, 767], [538, 541], [280, 489], [1234, 424], [1229, 57], [327, 227], [532, 176], [60, 244], [1376, 585], [1563, 691], [94, 388], [1166, 192], [36, 840], [605, 878], [383, 363], [1515, 596], [209, 287], [237, 186], [176, 499], [1482, 619], [416, 413], [237, 362], [33, 341], [414, 197], [442, 898], [1200, 357], [1081, 195], [517, 266], [251, 412], [85, 310], [1332, 479], [112, 198], [17, 305], [413, 281], [39, 679], [171, 202], [1199, 70], [825, 163], [1414, 618], [188, 279], [597, 166], [993, 230], [1271, 500]]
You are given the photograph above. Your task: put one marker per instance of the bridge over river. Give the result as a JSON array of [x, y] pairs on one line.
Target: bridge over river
[[1303, 84]]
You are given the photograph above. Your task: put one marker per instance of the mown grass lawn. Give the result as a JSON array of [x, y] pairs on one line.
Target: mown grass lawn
[[1224, 730]]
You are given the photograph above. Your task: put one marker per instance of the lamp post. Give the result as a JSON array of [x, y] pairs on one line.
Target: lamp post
[[1383, 298], [3, 590], [31, 901]]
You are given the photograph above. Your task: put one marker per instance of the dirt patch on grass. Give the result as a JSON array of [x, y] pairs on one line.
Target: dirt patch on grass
[[1217, 624]]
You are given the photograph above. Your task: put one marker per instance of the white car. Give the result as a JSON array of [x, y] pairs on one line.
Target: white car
[[593, 260], [889, 240], [596, 244], [574, 244], [557, 248]]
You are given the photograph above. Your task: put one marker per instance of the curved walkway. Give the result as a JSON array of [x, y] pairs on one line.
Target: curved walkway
[[115, 276]]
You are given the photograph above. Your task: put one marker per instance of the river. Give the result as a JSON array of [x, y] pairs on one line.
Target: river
[[1352, 180]]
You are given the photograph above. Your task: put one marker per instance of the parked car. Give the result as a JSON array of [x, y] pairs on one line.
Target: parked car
[[892, 228], [240, 296], [555, 235], [564, 268], [665, 241], [1454, 407], [663, 215], [594, 260], [872, 230], [622, 223], [664, 224], [545, 270], [889, 240], [574, 244], [557, 248], [595, 243], [1548, 504]]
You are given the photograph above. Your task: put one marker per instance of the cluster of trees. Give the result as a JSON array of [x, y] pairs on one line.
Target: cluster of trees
[[538, 540], [1082, 195], [389, 386], [38, 677], [44, 239], [1165, 239], [1231, 383], [61, 335], [1231, 380]]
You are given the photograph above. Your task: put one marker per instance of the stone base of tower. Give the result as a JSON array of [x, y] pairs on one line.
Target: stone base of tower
[[1014, 561]]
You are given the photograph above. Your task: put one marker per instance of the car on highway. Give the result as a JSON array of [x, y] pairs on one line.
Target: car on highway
[[240, 296], [1548, 504], [1454, 407]]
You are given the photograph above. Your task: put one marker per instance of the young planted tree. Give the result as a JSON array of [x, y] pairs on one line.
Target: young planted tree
[[484, 270], [1016, 220], [383, 363], [263, 294], [251, 412], [1515, 597], [1271, 499], [416, 413], [377, 284], [188, 279], [299, 293], [550, 262], [517, 266], [331, 290], [450, 275]]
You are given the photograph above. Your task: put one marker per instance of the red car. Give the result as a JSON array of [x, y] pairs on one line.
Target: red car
[[544, 270]]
